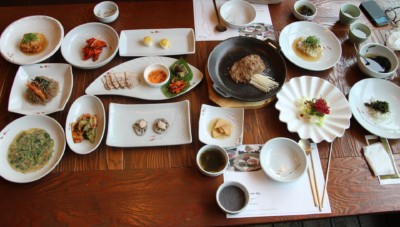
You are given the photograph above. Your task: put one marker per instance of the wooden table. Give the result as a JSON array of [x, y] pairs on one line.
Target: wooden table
[[161, 185]]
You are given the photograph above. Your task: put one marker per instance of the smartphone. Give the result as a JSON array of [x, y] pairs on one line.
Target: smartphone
[[374, 13]]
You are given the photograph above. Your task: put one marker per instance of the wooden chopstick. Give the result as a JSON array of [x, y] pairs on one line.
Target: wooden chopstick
[[315, 182], [327, 175], [312, 184]]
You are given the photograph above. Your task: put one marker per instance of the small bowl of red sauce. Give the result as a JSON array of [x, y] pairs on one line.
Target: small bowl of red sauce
[[156, 75]]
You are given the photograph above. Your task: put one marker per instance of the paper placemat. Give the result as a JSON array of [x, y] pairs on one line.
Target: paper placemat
[[205, 20], [271, 198]]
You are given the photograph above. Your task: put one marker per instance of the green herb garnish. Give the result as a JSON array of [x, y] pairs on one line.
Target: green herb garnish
[[380, 106], [312, 41], [179, 70], [29, 37]]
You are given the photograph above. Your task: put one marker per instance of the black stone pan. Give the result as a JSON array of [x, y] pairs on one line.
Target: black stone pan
[[233, 49]]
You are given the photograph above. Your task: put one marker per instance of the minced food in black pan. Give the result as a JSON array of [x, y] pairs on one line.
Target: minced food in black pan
[[233, 49]]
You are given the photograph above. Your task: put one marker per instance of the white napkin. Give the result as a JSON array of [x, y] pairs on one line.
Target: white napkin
[[378, 159]]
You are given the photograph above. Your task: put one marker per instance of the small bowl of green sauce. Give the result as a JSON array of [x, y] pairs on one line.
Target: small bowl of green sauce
[[304, 10], [232, 197], [212, 160]]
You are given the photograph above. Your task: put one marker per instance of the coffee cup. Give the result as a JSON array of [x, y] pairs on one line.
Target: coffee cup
[[359, 33], [348, 13]]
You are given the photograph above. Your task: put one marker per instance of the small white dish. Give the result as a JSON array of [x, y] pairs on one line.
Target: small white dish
[[336, 122], [122, 117], [153, 67], [370, 89], [283, 160], [232, 195], [62, 73], [212, 157], [12, 36], [82, 105], [24, 123], [237, 13], [376, 49], [181, 39], [75, 40], [304, 3], [142, 91], [208, 115], [106, 11], [332, 49]]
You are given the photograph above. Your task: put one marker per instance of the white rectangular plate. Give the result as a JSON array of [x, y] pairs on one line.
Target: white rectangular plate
[[123, 116], [181, 39]]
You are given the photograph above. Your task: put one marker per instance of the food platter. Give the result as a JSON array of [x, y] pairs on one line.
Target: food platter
[[142, 91], [372, 88], [225, 54], [24, 123], [62, 73], [181, 39], [313, 87], [75, 40], [86, 104], [12, 35], [123, 116], [332, 49], [233, 115]]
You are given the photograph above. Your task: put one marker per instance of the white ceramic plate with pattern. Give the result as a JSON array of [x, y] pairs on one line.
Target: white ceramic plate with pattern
[[12, 36], [24, 123], [371, 89], [336, 122], [234, 116]]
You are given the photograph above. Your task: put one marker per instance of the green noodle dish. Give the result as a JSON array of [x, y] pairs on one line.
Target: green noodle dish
[[30, 150]]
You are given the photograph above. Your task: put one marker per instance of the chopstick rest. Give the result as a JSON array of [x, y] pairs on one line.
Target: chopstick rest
[[378, 159]]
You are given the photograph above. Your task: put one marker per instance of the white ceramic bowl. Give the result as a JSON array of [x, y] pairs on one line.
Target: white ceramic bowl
[[153, 67], [283, 160], [106, 11], [232, 196], [237, 13], [212, 147], [376, 49], [75, 40], [308, 4]]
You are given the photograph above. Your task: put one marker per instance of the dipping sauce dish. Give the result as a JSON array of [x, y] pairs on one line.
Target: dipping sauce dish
[[156, 75], [212, 160], [232, 197]]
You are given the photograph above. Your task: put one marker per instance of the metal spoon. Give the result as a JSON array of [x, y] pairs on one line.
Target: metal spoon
[[361, 56], [219, 27], [305, 144]]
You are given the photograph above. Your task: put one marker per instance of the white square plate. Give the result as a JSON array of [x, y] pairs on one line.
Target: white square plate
[[62, 73], [181, 39], [233, 115], [122, 117]]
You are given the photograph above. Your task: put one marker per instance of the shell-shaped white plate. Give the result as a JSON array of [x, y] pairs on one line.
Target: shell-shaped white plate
[[181, 39], [371, 89], [142, 91], [86, 104], [332, 50], [75, 40], [122, 117], [24, 123], [12, 36], [313, 87], [209, 114], [62, 73]]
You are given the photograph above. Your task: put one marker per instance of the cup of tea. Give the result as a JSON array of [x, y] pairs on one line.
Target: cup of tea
[[348, 13], [359, 33], [212, 160]]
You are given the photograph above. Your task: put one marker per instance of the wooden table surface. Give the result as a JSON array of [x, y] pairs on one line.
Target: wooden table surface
[[161, 185]]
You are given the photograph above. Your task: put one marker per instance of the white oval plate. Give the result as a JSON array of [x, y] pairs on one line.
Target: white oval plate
[[122, 117], [24, 123], [12, 36], [85, 104], [332, 50], [376, 89], [75, 40], [142, 91], [313, 87], [62, 73], [234, 115]]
